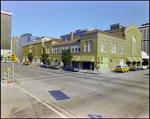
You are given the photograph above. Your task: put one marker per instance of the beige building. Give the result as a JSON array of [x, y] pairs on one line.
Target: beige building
[[5, 32], [37, 48], [98, 49], [14, 43]]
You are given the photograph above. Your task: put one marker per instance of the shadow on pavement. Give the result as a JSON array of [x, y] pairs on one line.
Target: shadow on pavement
[[94, 116], [146, 74]]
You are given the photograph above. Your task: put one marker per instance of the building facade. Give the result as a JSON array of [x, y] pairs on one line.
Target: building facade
[[6, 17], [144, 28], [67, 37], [14, 43], [24, 38], [37, 48], [99, 49]]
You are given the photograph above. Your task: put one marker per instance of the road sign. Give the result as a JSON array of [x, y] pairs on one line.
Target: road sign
[[8, 68], [99, 59]]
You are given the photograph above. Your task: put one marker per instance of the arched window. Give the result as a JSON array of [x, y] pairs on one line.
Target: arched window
[[112, 48], [102, 46], [120, 48], [115, 47], [134, 45], [91, 46], [105, 46], [86, 46]]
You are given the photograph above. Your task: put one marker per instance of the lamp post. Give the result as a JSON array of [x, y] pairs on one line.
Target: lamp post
[[36, 50]]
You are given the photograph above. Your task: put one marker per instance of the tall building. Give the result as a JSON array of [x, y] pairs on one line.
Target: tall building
[[144, 28], [5, 31], [24, 38], [77, 33], [14, 43]]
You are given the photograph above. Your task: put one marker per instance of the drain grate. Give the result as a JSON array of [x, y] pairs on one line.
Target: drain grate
[[58, 95]]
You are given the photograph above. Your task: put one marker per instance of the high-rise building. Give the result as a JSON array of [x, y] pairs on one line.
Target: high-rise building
[[25, 38], [77, 33], [144, 28], [5, 31], [14, 43]]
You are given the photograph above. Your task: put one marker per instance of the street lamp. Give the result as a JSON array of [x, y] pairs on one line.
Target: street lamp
[[36, 50]]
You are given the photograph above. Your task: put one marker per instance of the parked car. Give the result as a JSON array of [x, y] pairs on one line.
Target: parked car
[[4, 61], [135, 68], [44, 66], [54, 67], [26, 63], [147, 66], [69, 68], [143, 67], [122, 68]]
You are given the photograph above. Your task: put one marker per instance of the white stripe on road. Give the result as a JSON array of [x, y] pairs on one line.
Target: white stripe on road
[[43, 103]]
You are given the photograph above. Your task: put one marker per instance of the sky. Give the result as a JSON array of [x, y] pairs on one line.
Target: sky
[[56, 18]]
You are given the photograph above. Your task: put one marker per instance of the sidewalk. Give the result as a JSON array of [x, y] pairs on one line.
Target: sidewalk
[[101, 71], [15, 103]]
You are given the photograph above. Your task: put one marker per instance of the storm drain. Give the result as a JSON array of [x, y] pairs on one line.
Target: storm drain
[[58, 95]]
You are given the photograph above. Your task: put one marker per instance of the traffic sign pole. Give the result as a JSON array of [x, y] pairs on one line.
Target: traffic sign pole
[[13, 72]]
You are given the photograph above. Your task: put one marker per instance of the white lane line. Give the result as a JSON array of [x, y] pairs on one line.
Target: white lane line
[[42, 102]]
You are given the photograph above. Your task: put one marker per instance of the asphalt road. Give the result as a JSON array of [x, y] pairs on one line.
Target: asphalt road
[[109, 95]]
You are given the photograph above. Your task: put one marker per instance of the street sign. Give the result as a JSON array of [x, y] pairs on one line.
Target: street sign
[[8, 68], [99, 59]]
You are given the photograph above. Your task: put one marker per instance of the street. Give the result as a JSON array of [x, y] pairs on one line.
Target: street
[[109, 95]]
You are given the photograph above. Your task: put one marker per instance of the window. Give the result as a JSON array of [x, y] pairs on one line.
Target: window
[[30, 49], [48, 49], [86, 46], [53, 50], [66, 47], [75, 48], [78, 48], [57, 50], [105, 46], [72, 48], [120, 48], [102, 46], [91, 46], [112, 47]]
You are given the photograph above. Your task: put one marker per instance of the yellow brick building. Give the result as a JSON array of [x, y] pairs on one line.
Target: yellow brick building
[[97, 49]]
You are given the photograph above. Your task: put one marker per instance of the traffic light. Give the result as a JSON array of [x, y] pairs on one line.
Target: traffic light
[[13, 58]]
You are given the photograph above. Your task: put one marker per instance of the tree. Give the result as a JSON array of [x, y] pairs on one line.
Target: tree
[[45, 59], [30, 57], [66, 56]]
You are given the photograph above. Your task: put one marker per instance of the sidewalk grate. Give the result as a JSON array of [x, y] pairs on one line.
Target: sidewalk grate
[[58, 95]]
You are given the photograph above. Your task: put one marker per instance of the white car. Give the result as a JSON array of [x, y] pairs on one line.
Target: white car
[[143, 67]]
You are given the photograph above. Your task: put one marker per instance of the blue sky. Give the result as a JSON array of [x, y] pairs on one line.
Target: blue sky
[[55, 18]]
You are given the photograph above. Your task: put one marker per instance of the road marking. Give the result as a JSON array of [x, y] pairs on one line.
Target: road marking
[[43, 102]]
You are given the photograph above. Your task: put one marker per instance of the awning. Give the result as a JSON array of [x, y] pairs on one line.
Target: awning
[[75, 58], [87, 58], [135, 59], [129, 59], [140, 59]]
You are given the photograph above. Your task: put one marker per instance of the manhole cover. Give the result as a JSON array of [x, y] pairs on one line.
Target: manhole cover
[[58, 95]]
